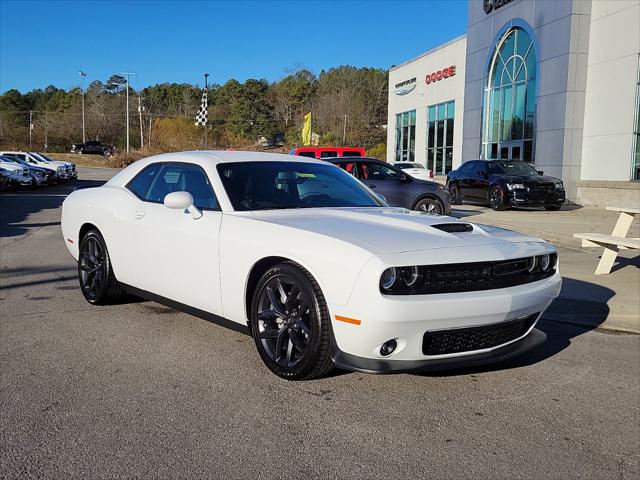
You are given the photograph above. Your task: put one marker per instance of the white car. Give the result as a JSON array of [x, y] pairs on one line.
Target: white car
[[318, 268], [416, 170], [64, 170]]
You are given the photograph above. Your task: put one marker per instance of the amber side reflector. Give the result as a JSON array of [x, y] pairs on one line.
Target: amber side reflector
[[348, 320]]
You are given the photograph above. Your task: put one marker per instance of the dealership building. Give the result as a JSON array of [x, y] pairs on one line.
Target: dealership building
[[554, 83]]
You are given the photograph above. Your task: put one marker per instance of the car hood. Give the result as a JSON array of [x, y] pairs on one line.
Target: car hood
[[12, 167], [389, 230]]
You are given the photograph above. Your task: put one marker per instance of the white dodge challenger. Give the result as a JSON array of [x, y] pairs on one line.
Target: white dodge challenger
[[321, 271]]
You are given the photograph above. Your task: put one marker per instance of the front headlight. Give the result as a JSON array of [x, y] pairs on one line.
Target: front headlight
[[559, 185], [515, 186], [60, 169]]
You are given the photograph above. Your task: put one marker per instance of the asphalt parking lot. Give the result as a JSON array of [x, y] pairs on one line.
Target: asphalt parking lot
[[140, 390]]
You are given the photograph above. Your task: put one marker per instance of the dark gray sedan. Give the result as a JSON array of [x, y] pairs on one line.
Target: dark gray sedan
[[399, 189]]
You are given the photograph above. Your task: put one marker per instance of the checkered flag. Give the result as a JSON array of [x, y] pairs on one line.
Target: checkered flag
[[202, 117]]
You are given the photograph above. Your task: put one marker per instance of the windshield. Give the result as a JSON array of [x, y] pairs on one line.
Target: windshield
[[40, 156], [511, 168], [280, 185]]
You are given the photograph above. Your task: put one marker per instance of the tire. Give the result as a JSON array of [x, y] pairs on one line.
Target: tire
[[496, 199], [106, 153], [429, 205], [454, 191], [95, 273], [80, 151], [553, 208], [294, 344]]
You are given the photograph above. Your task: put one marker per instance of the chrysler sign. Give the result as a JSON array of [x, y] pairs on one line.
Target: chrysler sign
[[489, 5], [405, 87]]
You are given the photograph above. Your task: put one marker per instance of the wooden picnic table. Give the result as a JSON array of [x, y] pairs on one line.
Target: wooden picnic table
[[612, 243]]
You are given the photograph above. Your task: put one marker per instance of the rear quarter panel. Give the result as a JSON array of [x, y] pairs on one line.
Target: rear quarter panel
[[109, 209]]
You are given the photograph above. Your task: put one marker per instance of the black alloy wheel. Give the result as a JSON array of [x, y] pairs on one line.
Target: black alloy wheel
[[429, 205], [290, 323], [95, 273], [496, 199], [454, 191]]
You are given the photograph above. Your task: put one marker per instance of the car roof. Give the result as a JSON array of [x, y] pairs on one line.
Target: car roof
[[351, 159], [228, 156]]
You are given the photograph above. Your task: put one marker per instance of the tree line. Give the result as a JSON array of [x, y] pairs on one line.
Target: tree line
[[349, 107]]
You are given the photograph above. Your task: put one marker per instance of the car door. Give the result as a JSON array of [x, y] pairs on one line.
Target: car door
[[176, 255], [386, 181], [464, 178], [481, 181]]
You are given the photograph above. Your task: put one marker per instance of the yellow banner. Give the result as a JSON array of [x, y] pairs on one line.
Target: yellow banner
[[306, 130]]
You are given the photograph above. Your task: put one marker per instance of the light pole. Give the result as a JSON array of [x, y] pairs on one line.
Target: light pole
[[127, 75], [83, 76]]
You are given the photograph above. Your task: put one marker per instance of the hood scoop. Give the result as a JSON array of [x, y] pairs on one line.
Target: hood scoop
[[454, 227]]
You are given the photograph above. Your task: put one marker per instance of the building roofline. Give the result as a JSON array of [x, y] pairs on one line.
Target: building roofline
[[457, 39]]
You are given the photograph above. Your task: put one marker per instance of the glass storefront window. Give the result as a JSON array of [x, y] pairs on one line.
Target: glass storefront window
[[635, 174], [440, 125], [508, 129], [406, 136]]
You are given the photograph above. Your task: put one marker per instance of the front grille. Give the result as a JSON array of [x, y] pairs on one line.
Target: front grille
[[475, 338], [454, 227], [541, 188], [474, 276]]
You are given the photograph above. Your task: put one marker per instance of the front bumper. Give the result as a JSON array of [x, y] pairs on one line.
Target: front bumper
[[21, 180], [525, 198], [379, 318], [375, 365]]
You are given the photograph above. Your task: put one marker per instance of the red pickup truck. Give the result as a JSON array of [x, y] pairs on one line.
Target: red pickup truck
[[328, 152]]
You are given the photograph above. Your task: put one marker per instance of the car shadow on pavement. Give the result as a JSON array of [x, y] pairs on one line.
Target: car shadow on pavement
[[18, 204], [566, 319]]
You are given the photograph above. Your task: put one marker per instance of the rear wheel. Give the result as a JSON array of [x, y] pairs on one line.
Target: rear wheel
[[290, 323], [429, 205], [95, 273], [106, 152], [496, 198]]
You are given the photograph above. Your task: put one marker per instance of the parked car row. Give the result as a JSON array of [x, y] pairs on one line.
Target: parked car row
[[23, 169]]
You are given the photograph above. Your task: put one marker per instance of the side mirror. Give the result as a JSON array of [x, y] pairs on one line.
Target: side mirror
[[540, 172], [182, 201]]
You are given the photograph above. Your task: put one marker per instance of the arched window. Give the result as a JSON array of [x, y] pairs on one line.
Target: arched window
[[510, 99]]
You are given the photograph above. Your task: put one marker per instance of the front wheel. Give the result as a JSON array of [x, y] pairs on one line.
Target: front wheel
[[454, 191], [429, 205], [95, 272], [290, 323], [496, 199]]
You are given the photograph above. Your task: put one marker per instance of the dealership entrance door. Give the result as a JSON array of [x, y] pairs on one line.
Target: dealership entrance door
[[510, 150]]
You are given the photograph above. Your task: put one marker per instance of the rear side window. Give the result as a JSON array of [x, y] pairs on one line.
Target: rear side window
[[351, 154], [328, 154], [306, 154], [141, 183]]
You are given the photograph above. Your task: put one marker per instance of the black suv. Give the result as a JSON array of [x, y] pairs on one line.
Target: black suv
[[504, 183], [93, 146], [398, 188]]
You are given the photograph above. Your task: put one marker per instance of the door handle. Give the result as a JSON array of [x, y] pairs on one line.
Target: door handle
[[373, 186], [139, 214]]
